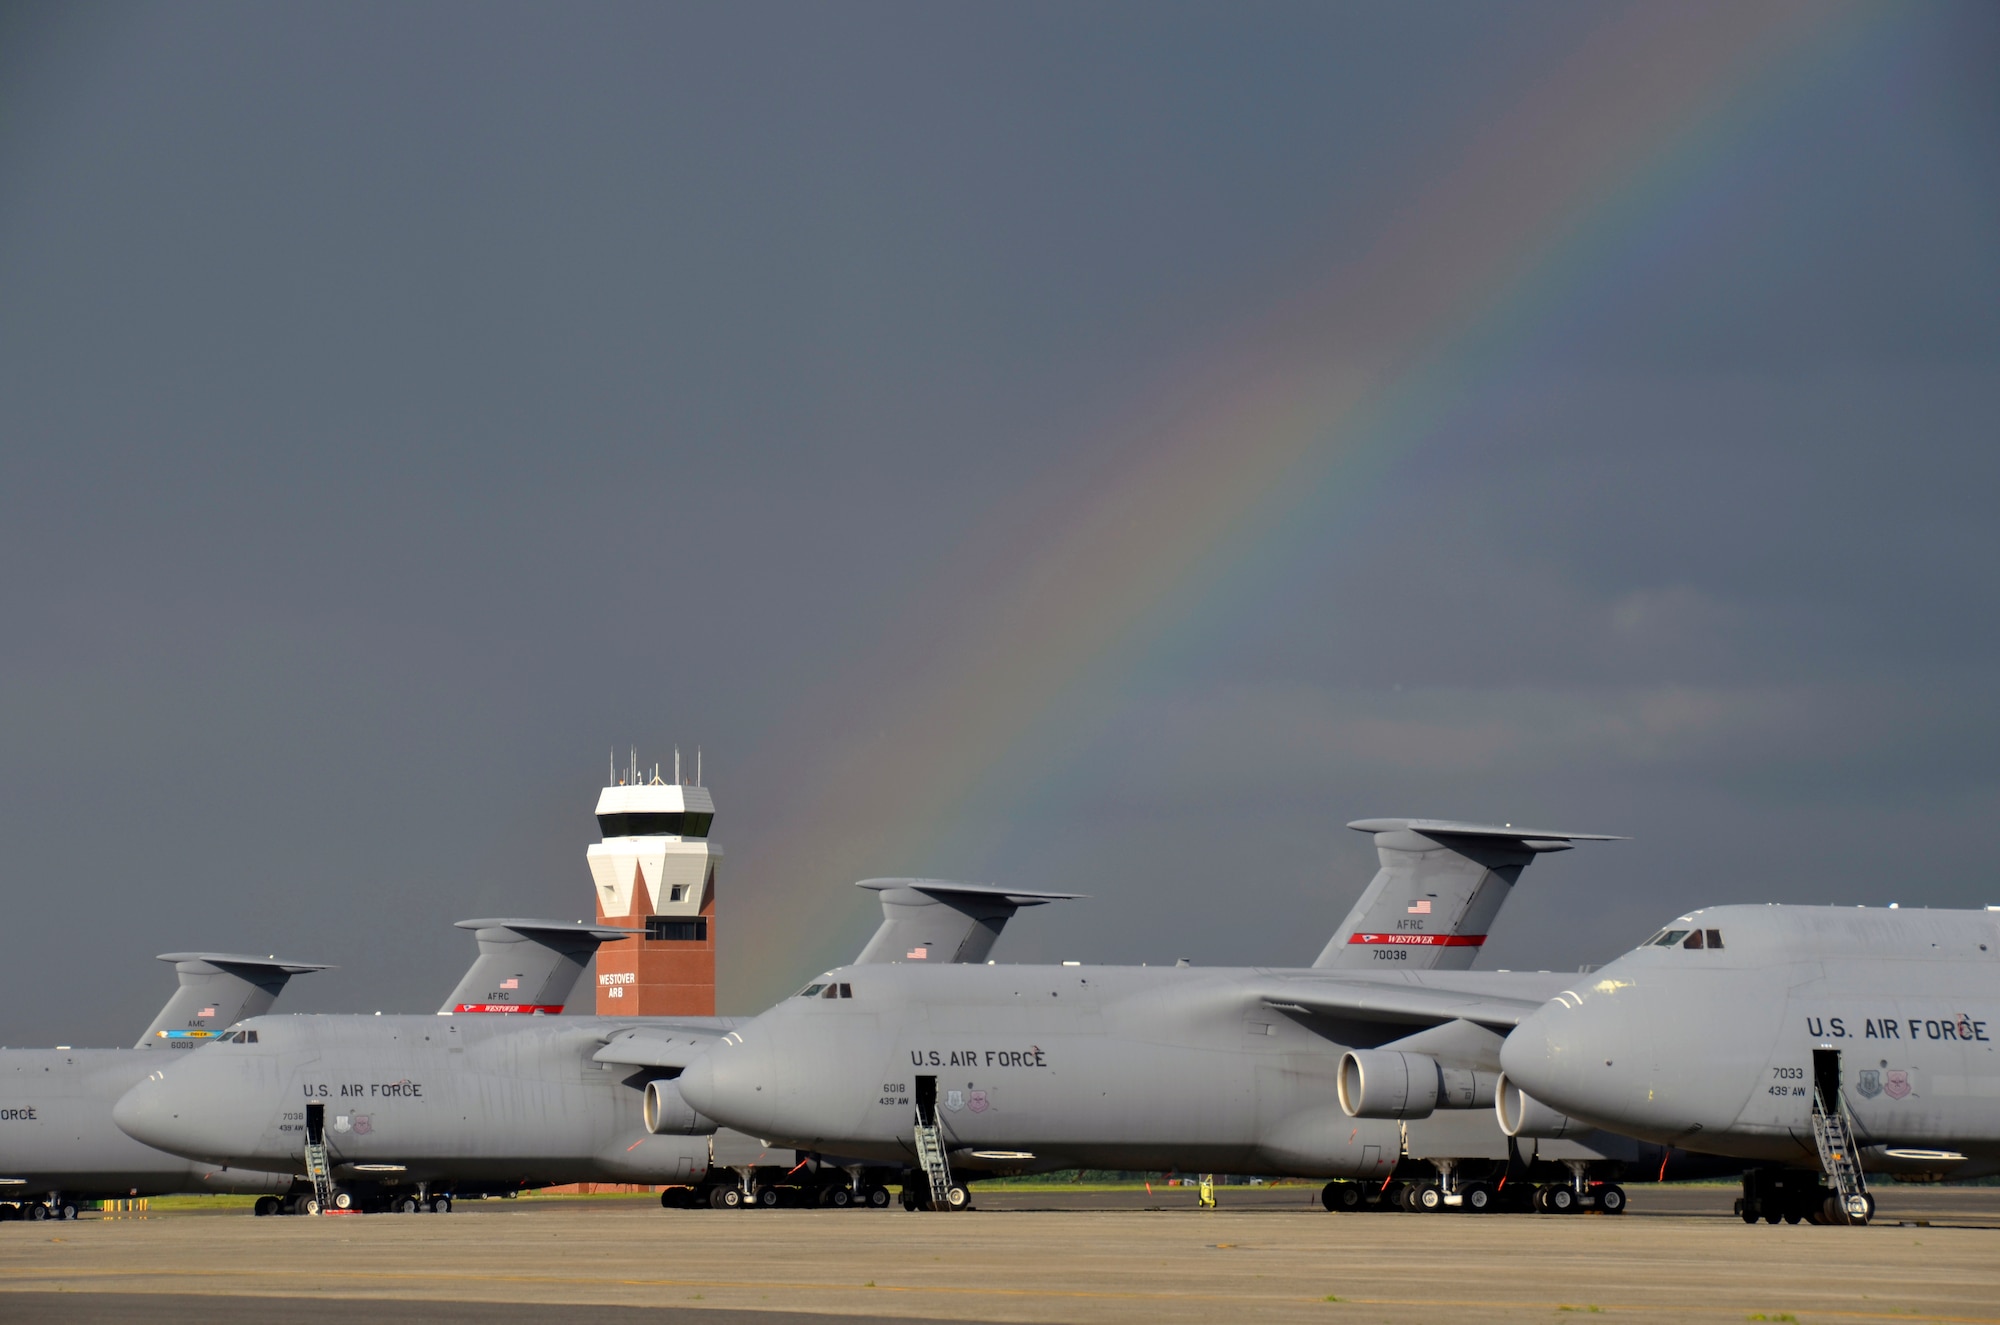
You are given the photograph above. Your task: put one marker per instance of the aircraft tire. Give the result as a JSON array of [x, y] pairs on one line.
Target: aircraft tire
[[1562, 1201], [9, 1213], [1479, 1199], [266, 1205], [768, 1198], [729, 1198], [441, 1205], [311, 1207], [1747, 1211], [66, 1210], [1611, 1199], [38, 1212], [343, 1200], [878, 1198], [1341, 1197], [958, 1197], [1428, 1199], [407, 1205]]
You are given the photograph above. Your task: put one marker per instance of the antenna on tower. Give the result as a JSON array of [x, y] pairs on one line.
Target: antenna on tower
[[677, 766], [610, 768], [697, 768]]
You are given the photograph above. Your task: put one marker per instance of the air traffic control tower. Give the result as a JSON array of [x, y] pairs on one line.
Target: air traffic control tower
[[655, 874]]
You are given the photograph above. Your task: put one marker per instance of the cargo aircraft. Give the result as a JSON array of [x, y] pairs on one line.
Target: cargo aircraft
[[1811, 1040]]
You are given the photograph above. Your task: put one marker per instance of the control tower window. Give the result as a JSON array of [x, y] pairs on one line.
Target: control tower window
[[666, 824], [667, 929]]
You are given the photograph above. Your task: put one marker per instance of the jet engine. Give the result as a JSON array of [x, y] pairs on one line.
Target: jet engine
[[1381, 1083], [1521, 1114], [667, 1114]]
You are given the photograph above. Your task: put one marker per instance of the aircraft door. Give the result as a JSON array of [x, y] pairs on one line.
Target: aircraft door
[[315, 1124], [927, 1101], [1826, 1078]]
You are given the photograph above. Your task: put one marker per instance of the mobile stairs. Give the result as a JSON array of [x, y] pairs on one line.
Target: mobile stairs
[[1833, 1130]]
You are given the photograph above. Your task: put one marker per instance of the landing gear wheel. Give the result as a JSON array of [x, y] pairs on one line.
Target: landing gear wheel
[[1861, 1209], [343, 1200], [838, 1198], [66, 1210], [1341, 1197], [1429, 1198], [406, 1205], [266, 1205], [1562, 1201], [1792, 1216], [9, 1213], [727, 1198], [1479, 1199], [878, 1198], [958, 1197], [1611, 1199], [312, 1206], [38, 1212], [768, 1198], [440, 1205], [909, 1198]]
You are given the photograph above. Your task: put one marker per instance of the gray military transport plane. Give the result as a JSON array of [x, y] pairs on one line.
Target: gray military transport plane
[[402, 1113], [1006, 1069], [58, 1144], [1813, 1040]]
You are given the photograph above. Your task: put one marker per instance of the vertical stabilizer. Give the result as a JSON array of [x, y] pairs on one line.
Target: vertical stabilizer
[[526, 966], [1439, 887], [937, 920], [217, 989]]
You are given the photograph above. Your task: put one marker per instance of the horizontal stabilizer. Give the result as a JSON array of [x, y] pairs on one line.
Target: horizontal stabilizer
[[218, 989], [527, 966], [941, 920], [1439, 887]]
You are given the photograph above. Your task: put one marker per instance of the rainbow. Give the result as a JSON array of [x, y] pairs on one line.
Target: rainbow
[[1297, 419]]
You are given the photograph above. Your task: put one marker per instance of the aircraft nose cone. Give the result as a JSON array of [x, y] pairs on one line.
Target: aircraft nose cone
[[148, 1113], [697, 1083]]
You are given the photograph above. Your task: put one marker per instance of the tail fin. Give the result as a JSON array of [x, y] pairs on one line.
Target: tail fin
[[217, 989], [936, 920], [1440, 886], [527, 966]]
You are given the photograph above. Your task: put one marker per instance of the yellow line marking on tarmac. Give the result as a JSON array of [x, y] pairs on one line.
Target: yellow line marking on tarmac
[[767, 1286]]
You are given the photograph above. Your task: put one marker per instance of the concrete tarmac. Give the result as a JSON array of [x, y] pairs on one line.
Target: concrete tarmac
[[1933, 1254]]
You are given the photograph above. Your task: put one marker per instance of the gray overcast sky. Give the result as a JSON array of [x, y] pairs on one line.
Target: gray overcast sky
[[400, 405]]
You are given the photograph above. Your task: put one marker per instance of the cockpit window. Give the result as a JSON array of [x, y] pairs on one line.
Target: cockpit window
[[846, 990], [1714, 941], [1670, 938], [1693, 939], [810, 990]]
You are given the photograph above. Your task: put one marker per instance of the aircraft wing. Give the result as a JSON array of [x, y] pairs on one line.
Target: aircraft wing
[[668, 1045], [1403, 1004]]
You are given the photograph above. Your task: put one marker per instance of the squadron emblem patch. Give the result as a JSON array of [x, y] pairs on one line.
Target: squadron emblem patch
[[1869, 1083], [1896, 1085]]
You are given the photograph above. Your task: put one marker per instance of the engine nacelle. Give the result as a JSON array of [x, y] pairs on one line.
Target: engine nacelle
[[667, 1114], [1521, 1114], [1382, 1083]]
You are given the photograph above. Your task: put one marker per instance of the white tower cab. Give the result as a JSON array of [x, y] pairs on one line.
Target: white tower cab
[[654, 874]]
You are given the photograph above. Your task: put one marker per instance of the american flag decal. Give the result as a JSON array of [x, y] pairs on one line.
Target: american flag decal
[[917, 954], [511, 982], [1422, 908], [208, 1012]]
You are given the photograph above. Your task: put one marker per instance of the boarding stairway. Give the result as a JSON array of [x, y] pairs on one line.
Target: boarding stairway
[[320, 1173], [931, 1158], [1834, 1131]]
